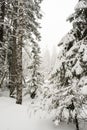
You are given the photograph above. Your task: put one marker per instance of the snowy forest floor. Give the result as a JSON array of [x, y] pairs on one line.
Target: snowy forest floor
[[18, 117]]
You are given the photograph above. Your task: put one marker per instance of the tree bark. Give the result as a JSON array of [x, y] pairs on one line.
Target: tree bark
[[19, 53], [13, 57], [2, 14], [19, 71], [76, 121], [2, 53]]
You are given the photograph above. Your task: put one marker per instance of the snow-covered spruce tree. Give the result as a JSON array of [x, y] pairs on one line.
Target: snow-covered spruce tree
[[32, 14], [35, 80], [30, 25], [5, 32], [24, 25], [69, 97], [12, 39]]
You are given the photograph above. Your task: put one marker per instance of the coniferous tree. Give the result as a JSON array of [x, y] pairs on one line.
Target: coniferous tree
[[70, 76], [35, 81], [25, 25], [32, 9], [20, 24]]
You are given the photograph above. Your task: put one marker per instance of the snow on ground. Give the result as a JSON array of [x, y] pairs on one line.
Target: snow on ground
[[18, 117]]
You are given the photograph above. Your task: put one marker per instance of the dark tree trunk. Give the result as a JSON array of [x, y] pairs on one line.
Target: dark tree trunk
[[2, 52], [19, 71], [12, 67], [15, 67], [2, 13], [19, 54], [13, 57], [76, 122]]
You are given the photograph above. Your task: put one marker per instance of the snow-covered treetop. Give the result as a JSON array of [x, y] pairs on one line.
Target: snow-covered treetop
[[69, 37], [81, 5]]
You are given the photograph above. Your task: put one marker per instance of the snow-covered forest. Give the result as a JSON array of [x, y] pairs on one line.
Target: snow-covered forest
[[39, 90]]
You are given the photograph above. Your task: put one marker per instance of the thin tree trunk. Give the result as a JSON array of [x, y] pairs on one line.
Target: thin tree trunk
[[2, 13], [76, 121], [1, 82], [19, 72], [2, 52]]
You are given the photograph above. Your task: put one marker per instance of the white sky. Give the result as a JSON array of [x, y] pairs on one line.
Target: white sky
[[54, 25]]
